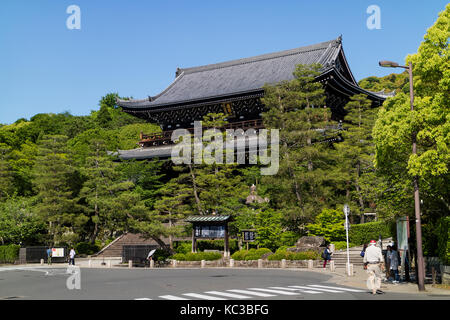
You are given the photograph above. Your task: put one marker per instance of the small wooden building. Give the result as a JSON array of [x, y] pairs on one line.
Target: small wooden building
[[209, 228]]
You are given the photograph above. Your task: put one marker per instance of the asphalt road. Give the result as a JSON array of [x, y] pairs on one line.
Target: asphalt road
[[42, 283]]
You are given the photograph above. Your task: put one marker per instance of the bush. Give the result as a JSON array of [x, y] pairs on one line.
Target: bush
[[203, 245], [183, 247], [9, 253], [339, 245], [252, 254], [86, 248], [289, 255], [363, 233], [198, 256]]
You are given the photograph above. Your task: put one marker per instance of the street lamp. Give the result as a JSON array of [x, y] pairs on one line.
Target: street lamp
[[420, 265]]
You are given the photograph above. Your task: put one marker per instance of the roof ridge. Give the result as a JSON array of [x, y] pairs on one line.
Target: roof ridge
[[262, 57]]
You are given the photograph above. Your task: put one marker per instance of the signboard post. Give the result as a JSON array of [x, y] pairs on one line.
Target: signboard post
[[248, 236]]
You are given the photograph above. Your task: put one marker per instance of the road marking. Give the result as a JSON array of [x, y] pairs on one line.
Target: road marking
[[276, 291], [326, 290], [258, 294], [229, 295], [338, 288], [169, 297], [202, 296], [291, 289], [142, 299]]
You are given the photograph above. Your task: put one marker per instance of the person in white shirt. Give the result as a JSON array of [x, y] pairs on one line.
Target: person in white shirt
[[375, 262], [72, 257]]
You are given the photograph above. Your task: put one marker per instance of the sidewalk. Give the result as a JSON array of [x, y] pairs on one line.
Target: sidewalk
[[359, 278]]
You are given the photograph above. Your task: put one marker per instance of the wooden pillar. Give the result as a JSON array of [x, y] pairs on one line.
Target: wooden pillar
[[226, 244], [194, 240]]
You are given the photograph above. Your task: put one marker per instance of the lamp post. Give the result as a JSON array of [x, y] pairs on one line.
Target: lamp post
[[420, 264]]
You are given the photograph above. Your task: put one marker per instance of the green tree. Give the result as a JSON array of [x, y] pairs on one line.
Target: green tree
[[297, 109], [429, 124], [101, 189], [53, 172], [355, 154], [328, 224]]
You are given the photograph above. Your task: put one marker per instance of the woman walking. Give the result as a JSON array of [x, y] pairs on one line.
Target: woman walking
[[326, 255]]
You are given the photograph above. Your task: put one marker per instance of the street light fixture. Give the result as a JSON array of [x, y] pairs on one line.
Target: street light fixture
[[420, 264]]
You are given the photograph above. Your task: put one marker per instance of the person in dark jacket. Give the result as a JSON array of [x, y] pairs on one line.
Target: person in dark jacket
[[327, 255]]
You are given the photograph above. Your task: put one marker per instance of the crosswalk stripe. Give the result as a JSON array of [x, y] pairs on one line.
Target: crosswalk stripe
[[326, 290], [337, 288], [229, 295], [170, 297], [297, 289], [286, 293], [202, 296], [252, 293]]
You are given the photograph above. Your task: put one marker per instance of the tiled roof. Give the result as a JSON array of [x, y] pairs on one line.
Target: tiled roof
[[238, 76], [215, 218]]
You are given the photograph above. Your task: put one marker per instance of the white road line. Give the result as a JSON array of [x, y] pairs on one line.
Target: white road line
[[298, 289], [337, 288], [142, 299], [275, 291], [202, 296], [229, 295], [169, 297], [326, 290], [252, 293]]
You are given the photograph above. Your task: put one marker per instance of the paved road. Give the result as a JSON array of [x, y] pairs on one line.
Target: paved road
[[181, 284]]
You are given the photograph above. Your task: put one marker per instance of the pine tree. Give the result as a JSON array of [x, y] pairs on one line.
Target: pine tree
[[355, 154], [297, 108], [101, 189], [52, 173]]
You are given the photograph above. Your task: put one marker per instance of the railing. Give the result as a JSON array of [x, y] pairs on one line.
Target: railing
[[165, 137]]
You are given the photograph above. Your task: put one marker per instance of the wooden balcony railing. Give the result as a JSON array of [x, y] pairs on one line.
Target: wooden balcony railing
[[165, 137]]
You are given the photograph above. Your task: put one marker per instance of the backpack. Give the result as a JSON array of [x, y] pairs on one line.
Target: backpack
[[324, 255], [362, 253]]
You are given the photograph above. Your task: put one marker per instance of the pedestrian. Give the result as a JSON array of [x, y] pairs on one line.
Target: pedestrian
[[326, 255], [387, 263], [49, 256], [393, 257], [375, 262], [72, 257]]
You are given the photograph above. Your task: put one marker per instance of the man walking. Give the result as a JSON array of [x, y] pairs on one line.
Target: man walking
[[72, 257], [374, 259], [49, 256]]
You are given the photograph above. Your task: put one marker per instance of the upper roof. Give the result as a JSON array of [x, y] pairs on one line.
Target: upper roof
[[211, 218], [241, 76]]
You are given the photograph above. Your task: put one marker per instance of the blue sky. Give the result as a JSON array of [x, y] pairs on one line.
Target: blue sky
[[134, 47]]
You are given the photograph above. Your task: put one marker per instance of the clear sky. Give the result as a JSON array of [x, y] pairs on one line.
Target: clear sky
[[134, 47]]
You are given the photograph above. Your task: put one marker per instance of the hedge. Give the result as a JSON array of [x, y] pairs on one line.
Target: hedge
[[198, 256], [289, 255], [86, 248], [252, 254], [364, 232], [202, 245], [339, 245], [9, 253], [444, 240]]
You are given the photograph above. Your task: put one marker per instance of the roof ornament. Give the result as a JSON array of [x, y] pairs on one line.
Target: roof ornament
[[339, 39]]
